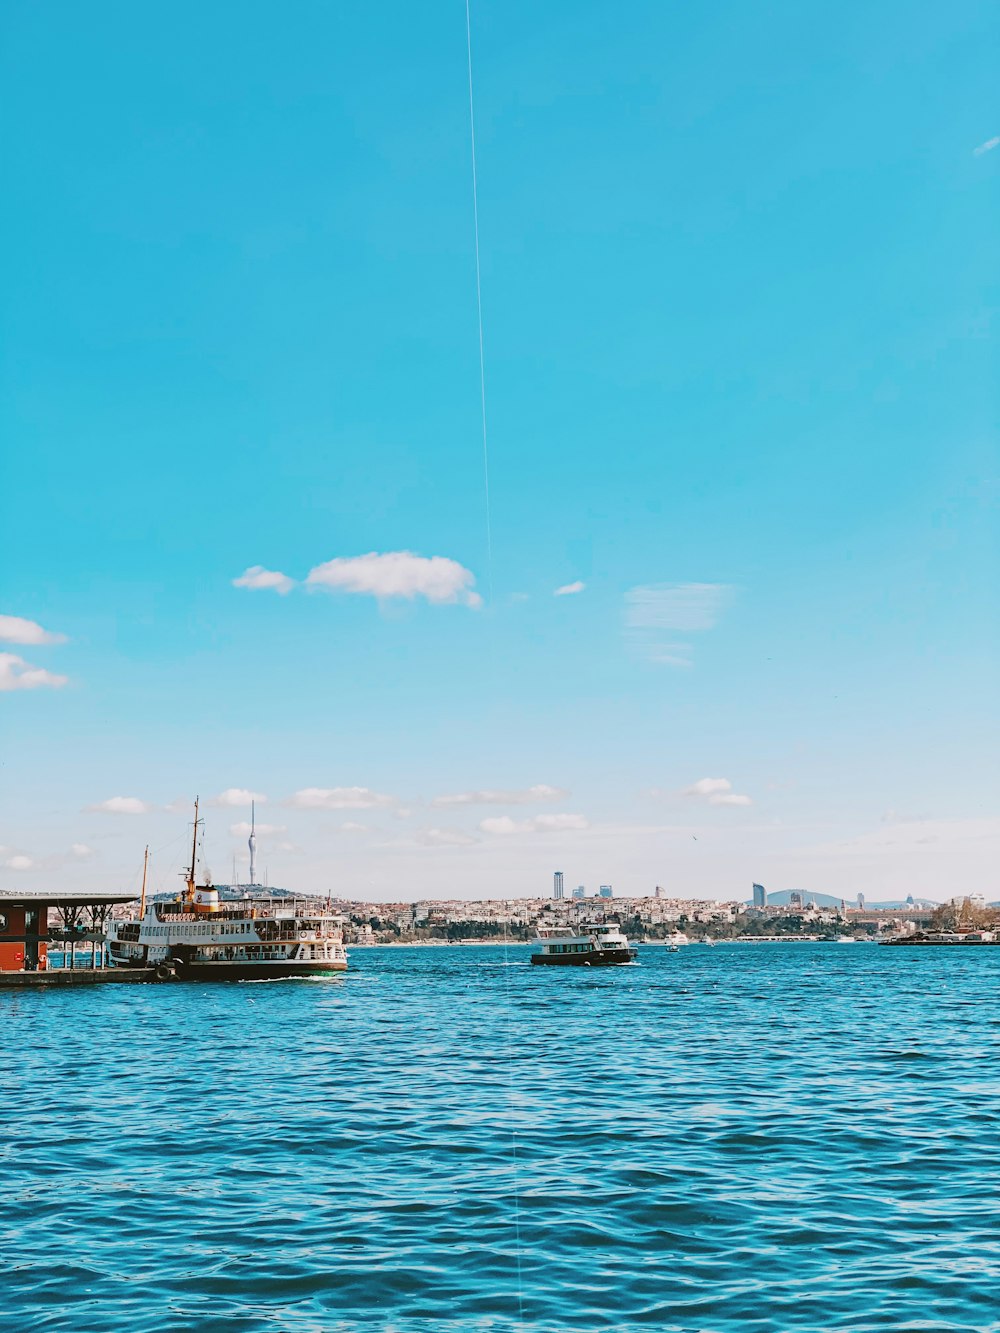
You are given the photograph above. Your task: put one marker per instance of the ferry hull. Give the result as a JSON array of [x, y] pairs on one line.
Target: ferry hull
[[256, 971], [599, 958], [239, 971]]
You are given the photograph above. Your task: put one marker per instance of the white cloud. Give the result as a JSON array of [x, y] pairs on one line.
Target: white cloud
[[524, 796], [445, 837], [653, 608], [503, 824], [122, 805], [243, 829], [17, 674], [987, 147], [684, 606], [557, 823], [338, 798], [81, 851], [257, 577], [19, 863], [352, 826], [949, 835], [15, 629], [708, 787], [568, 589], [717, 791], [398, 574], [672, 654], [234, 796]]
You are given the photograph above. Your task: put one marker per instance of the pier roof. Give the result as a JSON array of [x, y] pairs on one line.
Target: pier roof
[[55, 898]]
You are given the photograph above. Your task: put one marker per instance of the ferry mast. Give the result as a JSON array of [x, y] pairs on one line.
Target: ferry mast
[[194, 853]]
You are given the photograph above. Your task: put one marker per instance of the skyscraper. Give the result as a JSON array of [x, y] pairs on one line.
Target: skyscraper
[[557, 884], [579, 891], [759, 895], [861, 902], [795, 899], [604, 891]]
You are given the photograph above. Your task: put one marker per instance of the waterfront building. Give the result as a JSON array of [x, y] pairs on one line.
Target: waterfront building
[[604, 891], [759, 895], [557, 885]]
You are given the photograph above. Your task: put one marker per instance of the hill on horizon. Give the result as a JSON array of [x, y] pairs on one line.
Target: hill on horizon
[[782, 898]]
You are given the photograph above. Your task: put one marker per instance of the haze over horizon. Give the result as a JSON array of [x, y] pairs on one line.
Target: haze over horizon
[[739, 298]]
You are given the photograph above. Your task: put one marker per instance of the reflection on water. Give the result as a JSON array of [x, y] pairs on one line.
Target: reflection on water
[[783, 1137]]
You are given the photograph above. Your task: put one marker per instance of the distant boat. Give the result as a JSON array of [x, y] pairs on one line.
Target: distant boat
[[591, 945]]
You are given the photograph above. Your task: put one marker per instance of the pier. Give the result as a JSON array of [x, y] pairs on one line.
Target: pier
[[80, 976], [74, 922]]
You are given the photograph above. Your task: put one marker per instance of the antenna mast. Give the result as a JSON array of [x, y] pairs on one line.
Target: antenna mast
[[253, 845]]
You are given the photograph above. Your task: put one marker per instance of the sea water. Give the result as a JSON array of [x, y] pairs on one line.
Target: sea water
[[752, 1137]]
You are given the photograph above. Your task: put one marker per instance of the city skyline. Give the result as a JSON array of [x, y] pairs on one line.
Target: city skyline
[[732, 619]]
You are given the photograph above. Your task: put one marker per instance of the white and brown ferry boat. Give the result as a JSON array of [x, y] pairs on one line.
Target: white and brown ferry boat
[[199, 936], [597, 945]]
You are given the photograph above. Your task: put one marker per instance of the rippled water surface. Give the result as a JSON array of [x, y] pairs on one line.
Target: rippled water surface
[[755, 1137]]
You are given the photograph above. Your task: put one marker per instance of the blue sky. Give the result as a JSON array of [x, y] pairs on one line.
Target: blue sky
[[739, 291]]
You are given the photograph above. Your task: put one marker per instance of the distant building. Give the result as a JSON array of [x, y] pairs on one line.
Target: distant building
[[604, 891], [657, 892], [580, 891], [861, 902], [795, 899], [557, 885], [759, 895]]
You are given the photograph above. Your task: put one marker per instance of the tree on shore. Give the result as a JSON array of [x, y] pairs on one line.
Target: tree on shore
[[964, 916]]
